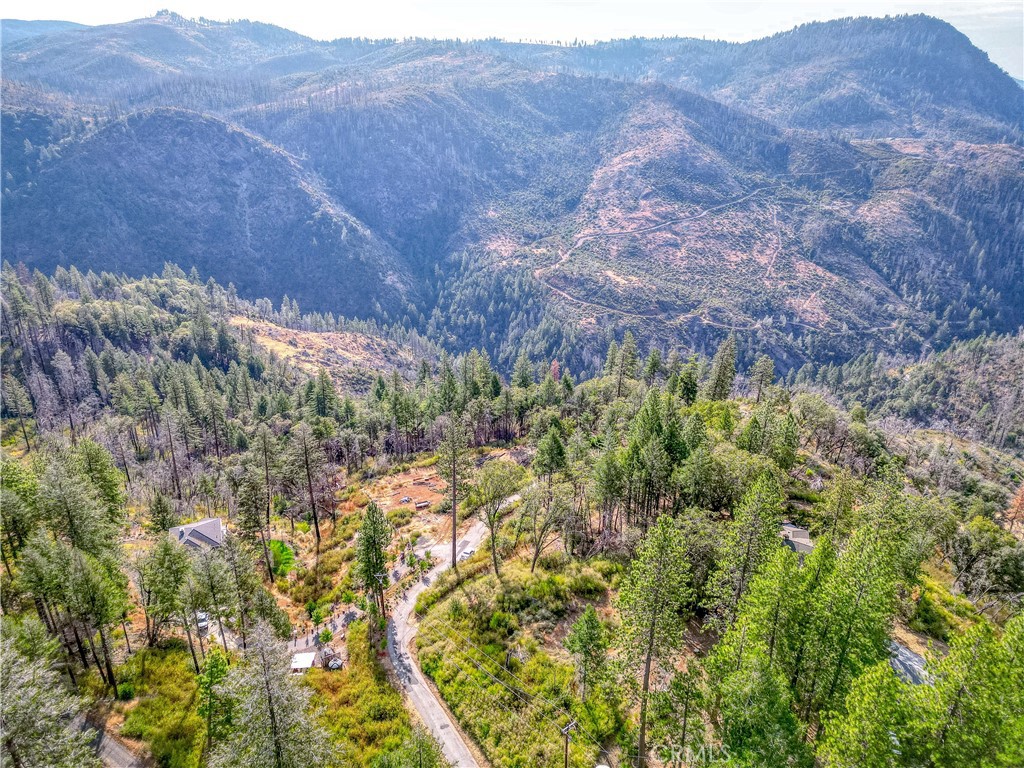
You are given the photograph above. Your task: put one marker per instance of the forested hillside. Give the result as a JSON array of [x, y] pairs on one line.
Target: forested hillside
[[844, 183], [678, 555], [973, 388]]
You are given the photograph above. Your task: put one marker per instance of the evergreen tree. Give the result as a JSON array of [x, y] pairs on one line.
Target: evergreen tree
[[522, 373], [306, 461], [653, 602], [272, 724], [17, 401], [214, 707], [627, 363], [749, 542], [36, 712], [723, 371], [454, 466], [611, 360], [762, 374], [371, 555], [162, 515], [588, 643]]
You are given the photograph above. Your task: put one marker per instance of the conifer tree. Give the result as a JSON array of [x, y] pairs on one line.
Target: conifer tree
[[17, 401], [587, 641], [723, 371], [272, 722], [454, 466], [36, 711], [371, 554], [653, 602], [749, 542], [762, 375]]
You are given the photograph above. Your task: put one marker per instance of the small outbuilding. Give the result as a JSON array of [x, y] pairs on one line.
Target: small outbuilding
[[302, 662]]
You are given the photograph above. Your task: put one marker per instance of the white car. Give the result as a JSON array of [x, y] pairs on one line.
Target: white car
[[467, 554]]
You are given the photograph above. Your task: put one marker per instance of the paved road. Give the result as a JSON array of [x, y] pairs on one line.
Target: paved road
[[112, 752], [401, 631], [908, 665]]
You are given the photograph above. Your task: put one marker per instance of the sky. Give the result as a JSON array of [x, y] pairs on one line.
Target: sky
[[995, 26]]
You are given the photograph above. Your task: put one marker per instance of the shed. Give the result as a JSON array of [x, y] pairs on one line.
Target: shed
[[302, 661]]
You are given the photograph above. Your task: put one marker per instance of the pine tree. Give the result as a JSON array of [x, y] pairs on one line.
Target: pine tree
[[653, 602], [70, 506], [17, 401], [723, 371], [652, 366], [36, 711], [214, 706], [272, 722], [454, 466], [96, 464], [587, 641], [550, 457], [749, 542], [371, 554], [611, 360], [162, 515], [852, 613], [762, 374], [306, 459], [627, 363]]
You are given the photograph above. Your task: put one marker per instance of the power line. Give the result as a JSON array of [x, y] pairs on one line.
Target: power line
[[522, 683], [523, 689]]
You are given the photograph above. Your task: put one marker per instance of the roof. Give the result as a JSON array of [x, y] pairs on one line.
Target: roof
[[208, 532], [796, 538], [303, 661]]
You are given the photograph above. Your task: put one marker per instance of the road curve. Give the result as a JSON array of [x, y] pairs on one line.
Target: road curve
[[401, 631], [112, 752]]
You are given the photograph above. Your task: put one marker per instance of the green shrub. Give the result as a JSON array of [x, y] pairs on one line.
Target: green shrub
[[930, 619], [283, 557], [504, 624], [400, 516], [587, 583]]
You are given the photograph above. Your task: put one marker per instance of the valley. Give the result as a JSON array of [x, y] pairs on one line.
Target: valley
[[642, 403]]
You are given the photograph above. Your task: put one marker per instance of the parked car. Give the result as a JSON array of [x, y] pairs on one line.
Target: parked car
[[467, 554], [202, 620]]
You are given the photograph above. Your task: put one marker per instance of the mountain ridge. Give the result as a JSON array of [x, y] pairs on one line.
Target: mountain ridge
[[513, 195]]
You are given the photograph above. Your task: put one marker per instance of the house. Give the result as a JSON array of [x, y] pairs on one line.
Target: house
[[796, 538], [302, 662], [201, 534]]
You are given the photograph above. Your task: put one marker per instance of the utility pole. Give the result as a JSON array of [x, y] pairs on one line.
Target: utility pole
[[565, 732]]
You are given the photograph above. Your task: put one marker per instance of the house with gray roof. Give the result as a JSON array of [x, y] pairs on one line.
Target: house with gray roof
[[796, 538], [202, 534]]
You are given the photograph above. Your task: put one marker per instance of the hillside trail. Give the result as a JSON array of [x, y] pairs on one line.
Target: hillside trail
[[541, 273]]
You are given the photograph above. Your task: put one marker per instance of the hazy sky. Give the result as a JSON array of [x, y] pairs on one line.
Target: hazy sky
[[995, 26]]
